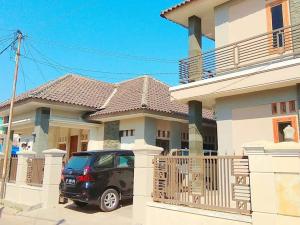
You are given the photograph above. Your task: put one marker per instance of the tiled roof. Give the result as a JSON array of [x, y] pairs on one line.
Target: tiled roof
[[142, 93], [69, 89], [163, 13]]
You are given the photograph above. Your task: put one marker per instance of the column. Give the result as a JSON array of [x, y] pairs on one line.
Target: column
[[195, 48], [195, 128], [143, 180], [175, 135], [41, 130], [274, 178], [52, 175], [22, 166], [111, 135]]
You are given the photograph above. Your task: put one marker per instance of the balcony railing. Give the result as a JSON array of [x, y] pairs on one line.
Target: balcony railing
[[276, 45], [218, 183]]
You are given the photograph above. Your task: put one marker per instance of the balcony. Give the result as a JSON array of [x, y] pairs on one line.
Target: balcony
[[278, 45]]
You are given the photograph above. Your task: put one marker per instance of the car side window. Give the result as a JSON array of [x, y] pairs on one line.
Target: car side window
[[105, 161], [125, 161]]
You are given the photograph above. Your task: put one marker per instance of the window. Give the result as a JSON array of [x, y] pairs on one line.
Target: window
[[125, 161], [158, 133], [84, 146], [274, 108], [280, 123], [105, 161], [277, 16], [292, 106], [282, 107]]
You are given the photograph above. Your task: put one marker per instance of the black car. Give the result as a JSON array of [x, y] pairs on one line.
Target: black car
[[101, 178]]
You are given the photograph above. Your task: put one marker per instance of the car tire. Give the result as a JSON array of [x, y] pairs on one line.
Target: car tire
[[109, 200], [80, 204]]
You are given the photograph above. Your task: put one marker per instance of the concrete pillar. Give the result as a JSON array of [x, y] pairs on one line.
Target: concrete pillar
[[111, 135], [298, 106], [96, 138], [175, 135], [195, 47], [195, 128], [143, 180], [41, 130], [52, 175], [23, 157], [274, 178], [295, 20]]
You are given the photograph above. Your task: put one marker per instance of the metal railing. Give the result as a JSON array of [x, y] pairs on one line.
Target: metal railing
[[275, 45], [218, 183], [13, 163], [35, 171]]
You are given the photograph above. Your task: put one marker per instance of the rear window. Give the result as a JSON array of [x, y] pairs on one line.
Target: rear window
[[78, 162]]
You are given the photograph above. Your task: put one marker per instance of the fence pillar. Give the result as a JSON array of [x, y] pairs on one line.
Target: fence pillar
[[143, 180], [274, 182], [22, 166], [52, 174]]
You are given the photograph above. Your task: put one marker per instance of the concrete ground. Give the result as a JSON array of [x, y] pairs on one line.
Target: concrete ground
[[67, 214]]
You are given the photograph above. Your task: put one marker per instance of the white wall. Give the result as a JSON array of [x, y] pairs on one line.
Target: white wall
[[247, 118], [239, 19]]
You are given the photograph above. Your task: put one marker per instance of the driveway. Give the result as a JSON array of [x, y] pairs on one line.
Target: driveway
[[67, 214]]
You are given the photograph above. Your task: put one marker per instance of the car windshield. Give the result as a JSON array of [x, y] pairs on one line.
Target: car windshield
[[78, 162]]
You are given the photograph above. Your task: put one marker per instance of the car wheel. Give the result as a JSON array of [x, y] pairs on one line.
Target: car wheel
[[80, 204], [109, 200]]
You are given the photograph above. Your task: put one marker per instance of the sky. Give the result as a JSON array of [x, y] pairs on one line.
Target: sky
[[105, 40]]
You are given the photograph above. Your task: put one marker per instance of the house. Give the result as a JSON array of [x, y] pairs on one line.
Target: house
[[251, 79], [251, 82], [75, 113]]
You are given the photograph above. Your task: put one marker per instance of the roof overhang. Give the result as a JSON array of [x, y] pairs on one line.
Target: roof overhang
[[260, 78], [32, 104], [203, 9], [138, 113]]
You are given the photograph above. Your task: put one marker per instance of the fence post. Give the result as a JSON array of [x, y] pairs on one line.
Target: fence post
[[274, 182], [143, 180], [22, 166], [52, 174]]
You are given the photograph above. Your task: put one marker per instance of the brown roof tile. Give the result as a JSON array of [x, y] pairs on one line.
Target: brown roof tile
[[163, 13], [144, 93], [70, 89]]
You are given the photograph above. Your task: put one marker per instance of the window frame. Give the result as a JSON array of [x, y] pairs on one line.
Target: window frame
[[286, 23], [292, 120], [100, 156]]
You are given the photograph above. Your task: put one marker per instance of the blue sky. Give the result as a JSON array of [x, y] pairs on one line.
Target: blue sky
[[107, 40]]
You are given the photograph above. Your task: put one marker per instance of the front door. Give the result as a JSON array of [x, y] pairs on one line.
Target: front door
[[73, 145]]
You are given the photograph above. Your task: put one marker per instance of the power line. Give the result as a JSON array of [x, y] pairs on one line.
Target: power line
[[50, 62], [107, 53], [37, 65], [23, 75], [11, 44]]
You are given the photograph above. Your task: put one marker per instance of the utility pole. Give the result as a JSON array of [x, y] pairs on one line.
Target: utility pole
[[7, 141]]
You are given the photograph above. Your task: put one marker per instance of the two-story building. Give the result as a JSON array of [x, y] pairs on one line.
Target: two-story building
[[251, 79]]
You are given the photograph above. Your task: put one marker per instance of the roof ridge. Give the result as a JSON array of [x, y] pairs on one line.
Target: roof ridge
[[131, 79], [144, 100], [48, 85], [110, 97], [89, 78]]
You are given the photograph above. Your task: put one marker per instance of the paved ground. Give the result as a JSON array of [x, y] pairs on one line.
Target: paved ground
[[67, 214]]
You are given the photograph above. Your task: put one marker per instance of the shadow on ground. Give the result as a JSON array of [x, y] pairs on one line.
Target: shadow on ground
[[91, 209]]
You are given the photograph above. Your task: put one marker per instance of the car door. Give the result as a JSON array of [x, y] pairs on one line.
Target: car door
[[104, 171], [125, 173]]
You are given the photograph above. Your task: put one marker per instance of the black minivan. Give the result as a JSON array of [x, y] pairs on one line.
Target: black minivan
[[101, 178]]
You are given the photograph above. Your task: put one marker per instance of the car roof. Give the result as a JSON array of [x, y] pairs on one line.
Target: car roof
[[96, 152]]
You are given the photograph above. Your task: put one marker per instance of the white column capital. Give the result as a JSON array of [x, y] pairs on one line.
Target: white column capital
[[147, 149], [274, 149], [26, 153], [54, 152]]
